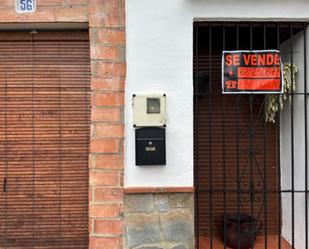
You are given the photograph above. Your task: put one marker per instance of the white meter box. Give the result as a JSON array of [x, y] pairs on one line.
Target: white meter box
[[25, 6], [149, 110]]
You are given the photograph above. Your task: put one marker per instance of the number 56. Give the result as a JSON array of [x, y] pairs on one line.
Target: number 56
[[26, 5]]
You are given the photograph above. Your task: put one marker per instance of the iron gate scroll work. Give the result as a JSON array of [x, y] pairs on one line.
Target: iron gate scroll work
[[251, 173]]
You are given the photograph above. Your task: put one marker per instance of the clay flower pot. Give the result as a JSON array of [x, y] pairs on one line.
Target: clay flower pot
[[249, 228]]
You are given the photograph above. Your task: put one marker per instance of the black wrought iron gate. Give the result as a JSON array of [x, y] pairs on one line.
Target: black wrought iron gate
[[251, 174]]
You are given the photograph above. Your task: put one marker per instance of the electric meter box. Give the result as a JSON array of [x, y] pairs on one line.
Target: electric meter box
[[150, 146], [149, 110]]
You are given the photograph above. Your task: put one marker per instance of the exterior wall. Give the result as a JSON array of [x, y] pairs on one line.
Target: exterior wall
[[160, 59], [47, 11], [299, 148], [107, 39], [159, 221]]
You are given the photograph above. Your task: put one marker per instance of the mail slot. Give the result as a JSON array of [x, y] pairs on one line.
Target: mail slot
[[150, 146]]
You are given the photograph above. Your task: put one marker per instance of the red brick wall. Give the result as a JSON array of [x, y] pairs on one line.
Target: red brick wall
[[107, 38], [47, 11]]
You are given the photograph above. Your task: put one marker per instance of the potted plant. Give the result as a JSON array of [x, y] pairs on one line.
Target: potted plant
[[241, 230]]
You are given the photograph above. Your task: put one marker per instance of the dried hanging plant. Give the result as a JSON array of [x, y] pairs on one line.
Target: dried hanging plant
[[274, 100]]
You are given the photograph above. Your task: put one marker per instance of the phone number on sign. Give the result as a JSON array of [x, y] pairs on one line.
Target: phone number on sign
[[259, 72]]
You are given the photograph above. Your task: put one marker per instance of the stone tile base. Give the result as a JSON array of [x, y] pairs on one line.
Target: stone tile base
[[159, 221], [272, 243]]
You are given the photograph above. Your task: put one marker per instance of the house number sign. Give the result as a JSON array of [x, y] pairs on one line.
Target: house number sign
[[254, 71], [25, 6]]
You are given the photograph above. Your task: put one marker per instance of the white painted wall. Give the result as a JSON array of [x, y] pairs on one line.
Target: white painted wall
[[299, 147], [159, 60]]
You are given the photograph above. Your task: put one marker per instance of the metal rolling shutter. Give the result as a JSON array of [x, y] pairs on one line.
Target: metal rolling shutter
[[44, 139], [211, 213]]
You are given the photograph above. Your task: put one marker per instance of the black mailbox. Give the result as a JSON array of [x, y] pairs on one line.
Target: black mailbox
[[150, 146]]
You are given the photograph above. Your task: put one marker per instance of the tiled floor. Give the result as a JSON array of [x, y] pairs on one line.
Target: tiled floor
[[272, 243]]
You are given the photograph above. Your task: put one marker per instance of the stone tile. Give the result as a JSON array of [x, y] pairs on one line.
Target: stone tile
[[182, 200], [182, 246], [150, 247], [177, 226], [142, 229], [272, 242], [151, 222], [161, 202], [139, 203]]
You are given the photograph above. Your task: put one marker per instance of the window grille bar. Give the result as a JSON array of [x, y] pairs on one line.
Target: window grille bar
[[265, 187], [292, 139], [251, 148], [210, 137], [279, 223], [223, 150], [196, 137], [238, 151], [306, 134]]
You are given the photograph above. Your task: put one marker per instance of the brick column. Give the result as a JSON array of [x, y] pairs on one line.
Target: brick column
[[108, 67]]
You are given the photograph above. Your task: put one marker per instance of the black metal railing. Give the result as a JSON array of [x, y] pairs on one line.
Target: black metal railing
[[250, 174]]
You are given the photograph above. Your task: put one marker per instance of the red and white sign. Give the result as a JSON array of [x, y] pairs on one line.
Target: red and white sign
[[257, 71]]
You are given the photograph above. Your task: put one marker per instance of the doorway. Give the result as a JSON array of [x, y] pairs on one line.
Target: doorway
[[44, 139], [237, 150]]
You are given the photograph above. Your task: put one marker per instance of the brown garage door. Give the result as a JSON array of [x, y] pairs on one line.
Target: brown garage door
[[44, 139]]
